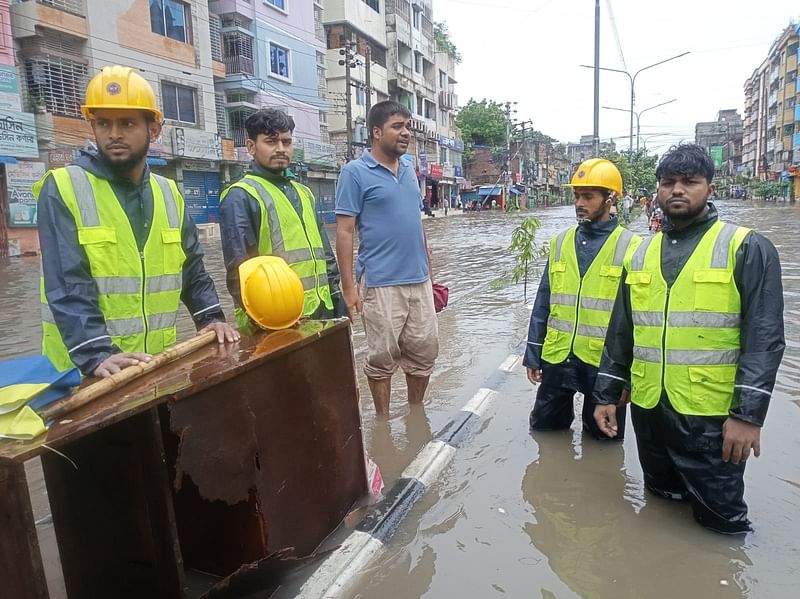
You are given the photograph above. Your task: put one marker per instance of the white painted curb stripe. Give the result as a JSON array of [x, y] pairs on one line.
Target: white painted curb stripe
[[480, 402], [510, 363]]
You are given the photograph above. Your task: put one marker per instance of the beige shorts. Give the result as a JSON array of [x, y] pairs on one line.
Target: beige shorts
[[402, 329]]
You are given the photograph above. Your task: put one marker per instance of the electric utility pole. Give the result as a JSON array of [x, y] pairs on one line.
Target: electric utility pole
[[368, 77], [349, 61], [596, 134]]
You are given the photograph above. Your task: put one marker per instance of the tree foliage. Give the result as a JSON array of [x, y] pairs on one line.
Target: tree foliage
[[481, 123], [441, 35], [638, 170]]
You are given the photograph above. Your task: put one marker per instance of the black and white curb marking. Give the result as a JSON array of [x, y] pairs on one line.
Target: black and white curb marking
[[337, 574]]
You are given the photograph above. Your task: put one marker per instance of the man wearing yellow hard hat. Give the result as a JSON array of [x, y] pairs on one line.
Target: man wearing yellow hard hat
[[119, 252], [269, 213], [574, 302]]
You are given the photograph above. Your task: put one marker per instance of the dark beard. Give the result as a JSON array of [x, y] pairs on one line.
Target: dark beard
[[121, 169]]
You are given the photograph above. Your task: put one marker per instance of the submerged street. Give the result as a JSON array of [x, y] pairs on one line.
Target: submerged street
[[524, 515]]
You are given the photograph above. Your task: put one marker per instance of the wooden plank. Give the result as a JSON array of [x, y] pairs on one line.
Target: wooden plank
[[112, 515], [21, 570]]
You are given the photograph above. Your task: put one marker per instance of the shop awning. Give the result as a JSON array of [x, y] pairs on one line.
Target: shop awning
[[156, 161], [515, 190], [490, 190], [8, 160]]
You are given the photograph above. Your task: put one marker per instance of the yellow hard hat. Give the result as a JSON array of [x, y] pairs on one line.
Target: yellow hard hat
[[120, 88], [598, 172], [272, 293]]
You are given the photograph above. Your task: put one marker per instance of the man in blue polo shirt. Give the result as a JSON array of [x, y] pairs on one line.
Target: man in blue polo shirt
[[379, 194]]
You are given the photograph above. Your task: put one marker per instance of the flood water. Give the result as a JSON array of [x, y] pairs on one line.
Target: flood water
[[545, 515]]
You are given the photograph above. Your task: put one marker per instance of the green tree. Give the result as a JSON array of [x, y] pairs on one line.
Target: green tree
[[638, 169], [441, 35], [481, 123]]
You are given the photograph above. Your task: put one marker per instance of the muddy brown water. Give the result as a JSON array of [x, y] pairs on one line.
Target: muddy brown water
[[547, 515]]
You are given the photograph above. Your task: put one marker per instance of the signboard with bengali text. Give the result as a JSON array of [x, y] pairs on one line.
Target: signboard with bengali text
[[20, 178]]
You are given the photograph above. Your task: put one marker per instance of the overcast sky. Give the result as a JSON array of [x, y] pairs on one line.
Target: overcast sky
[[529, 51]]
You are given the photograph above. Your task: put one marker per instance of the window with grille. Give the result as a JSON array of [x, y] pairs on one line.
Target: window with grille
[[56, 83], [179, 102], [279, 61], [170, 18], [214, 28], [222, 118]]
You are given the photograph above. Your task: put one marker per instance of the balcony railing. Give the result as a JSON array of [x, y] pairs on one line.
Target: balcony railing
[[448, 100], [235, 65], [74, 7]]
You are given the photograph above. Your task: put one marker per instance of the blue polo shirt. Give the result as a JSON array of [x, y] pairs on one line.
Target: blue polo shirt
[[391, 249]]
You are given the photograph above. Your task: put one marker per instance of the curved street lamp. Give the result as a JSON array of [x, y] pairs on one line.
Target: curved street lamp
[[633, 83], [638, 115]]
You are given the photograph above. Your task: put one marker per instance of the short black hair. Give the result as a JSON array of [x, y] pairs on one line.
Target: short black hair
[[269, 121], [687, 160], [382, 112]]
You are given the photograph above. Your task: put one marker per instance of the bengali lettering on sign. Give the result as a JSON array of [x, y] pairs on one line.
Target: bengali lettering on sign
[[20, 178], [9, 88], [18, 134], [192, 143]]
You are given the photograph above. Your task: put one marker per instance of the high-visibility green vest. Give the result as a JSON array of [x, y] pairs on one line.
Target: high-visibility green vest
[[580, 308], [285, 234], [687, 337], [138, 292]]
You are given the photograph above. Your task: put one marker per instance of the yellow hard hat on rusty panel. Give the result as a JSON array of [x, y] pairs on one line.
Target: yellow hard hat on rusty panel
[[120, 88], [272, 293], [598, 172]]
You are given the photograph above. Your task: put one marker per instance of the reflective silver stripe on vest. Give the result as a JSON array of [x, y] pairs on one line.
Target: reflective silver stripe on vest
[[309, 283], [170, 201], [116, 285], [164, 283], [563, 299], [647, 354], [702, 357], [84, 196], [301, 255], [719, 256], [123, 327], [623, 242], [707, 320], [559, 324], [648, 319], [559, 243], [47, 314], [275, 231], [588, 330], [163, 320], [593, 303], [637, 262]]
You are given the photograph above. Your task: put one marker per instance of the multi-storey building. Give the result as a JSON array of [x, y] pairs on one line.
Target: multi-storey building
[[451, 147], [61, 44], [19, 153], [584, 149], [723, 139], [274, 56], [771, 143], [361, 23]]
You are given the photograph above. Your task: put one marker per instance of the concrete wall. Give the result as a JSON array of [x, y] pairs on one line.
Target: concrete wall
[[359, 15]]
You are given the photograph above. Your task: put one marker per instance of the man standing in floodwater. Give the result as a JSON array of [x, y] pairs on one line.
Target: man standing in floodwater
[[697, 330]]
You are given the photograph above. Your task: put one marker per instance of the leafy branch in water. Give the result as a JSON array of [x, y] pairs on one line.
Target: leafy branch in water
[[525, 251]]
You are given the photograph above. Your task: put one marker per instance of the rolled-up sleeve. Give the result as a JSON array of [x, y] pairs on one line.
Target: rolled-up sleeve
[[537, 329], [349, 199], [68, 284], [615, 365], [198, 293], [758, 278]]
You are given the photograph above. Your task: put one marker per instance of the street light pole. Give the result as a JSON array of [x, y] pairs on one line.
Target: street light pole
[[632, 79], [596, 133], [638, 116]]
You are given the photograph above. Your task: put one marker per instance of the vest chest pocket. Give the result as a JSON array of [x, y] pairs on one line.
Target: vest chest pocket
[[639, 283], [609, 280], [100, 245], [557, 273], [712, 289], [172, 248], [711, 389]]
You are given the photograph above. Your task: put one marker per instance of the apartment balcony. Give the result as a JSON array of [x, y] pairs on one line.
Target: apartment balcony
[[448, 100], [772, 121], [402, 78], [67, 16], [239, 65], [773, 98]]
